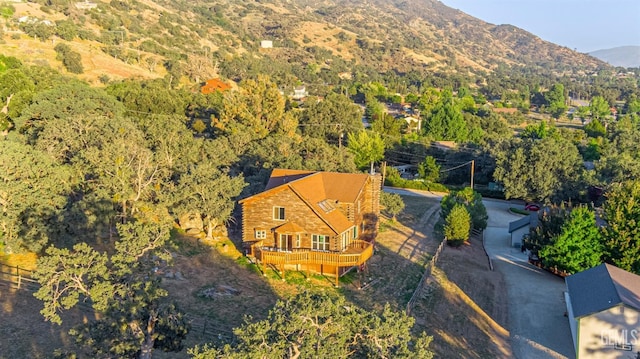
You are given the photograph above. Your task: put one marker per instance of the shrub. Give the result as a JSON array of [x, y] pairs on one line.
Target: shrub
[[457, 225]]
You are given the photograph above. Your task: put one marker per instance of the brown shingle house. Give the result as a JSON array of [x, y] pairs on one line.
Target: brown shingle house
[[321, 222]]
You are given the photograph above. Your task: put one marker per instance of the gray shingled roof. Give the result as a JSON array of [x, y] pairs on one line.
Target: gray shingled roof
[[519, 223], [602, 287]]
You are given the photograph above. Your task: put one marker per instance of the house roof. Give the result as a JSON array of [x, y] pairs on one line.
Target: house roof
[[290, 227], [281, 176], [322, 191], [213, 85], [602, 287], [519, 223]]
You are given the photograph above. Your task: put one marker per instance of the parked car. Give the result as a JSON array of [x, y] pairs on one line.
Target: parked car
[[533, 207]]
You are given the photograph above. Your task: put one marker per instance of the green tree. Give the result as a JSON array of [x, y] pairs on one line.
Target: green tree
[[599, 108], [550, 224], [6, 11], [66, 29], [71, 98], [322, 325], [429, 170], [583, 113], [70, 59], [632, 105], [389, 127], [205, 190], [331, 118], [257, 109], [367, 147], [15, 81], [539, 170], [620, 155], [446, 121], [556, 100], [539, 131], [578, 246], [472, 200], [33, 194], [457, 225], [595, 129], [8, 62], [392, 204], [147, 98], [622, 230], [120, 287]]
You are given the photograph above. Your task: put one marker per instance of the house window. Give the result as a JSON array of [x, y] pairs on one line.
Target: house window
[[320, 242], [355, 232], [278, 213], [261, 234], [297, 244]]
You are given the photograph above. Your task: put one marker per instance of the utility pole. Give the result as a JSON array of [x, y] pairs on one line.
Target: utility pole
[[384, 171], [473, 163]]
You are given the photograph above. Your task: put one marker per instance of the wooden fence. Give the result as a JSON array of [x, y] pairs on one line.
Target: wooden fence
[[207, 330], [427, 272], [18, 278], [425, 277]]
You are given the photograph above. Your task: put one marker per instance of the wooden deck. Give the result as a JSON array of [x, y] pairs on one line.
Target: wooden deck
[[357, 254]]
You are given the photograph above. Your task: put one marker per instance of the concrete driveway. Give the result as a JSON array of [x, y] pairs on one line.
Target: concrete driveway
[[537, 323]]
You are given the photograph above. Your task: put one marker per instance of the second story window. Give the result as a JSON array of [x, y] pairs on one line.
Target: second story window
[[261, 234], [278, 213]]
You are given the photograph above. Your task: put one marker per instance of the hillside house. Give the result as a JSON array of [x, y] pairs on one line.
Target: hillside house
[[299, 92], [322, 222], [86, 5], [413, 124], [266, 44], [213, 85], [603, 306]]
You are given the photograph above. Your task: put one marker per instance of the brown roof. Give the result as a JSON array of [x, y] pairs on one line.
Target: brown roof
[[322, 191], [214, 85], [290, 227], [281, 176]]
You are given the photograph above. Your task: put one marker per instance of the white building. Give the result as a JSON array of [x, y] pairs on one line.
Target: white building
[[603, 306], [521, 227]]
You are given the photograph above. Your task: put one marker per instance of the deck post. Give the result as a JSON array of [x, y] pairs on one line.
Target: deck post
[[264, 265], [337, 275]]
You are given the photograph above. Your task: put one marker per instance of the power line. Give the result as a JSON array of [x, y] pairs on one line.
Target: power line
[[456, 167]]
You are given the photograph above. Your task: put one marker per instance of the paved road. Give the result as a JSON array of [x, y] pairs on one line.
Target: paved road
[[537, 323]]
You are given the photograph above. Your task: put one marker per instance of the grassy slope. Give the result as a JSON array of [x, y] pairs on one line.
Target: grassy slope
[[464, 318]]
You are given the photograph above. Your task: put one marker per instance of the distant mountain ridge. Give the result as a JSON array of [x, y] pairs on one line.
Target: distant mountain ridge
[[133, 38], [624, 56]]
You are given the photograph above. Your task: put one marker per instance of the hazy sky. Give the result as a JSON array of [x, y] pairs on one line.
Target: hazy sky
[[585, 25]]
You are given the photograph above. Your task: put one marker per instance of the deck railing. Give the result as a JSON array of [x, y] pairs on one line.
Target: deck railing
[[340, 259]]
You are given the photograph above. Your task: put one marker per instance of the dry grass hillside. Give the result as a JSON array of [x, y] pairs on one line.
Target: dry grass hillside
[[137, 39]]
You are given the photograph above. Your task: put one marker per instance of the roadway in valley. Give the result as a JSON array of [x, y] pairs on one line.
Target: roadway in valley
[[538, 326]]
